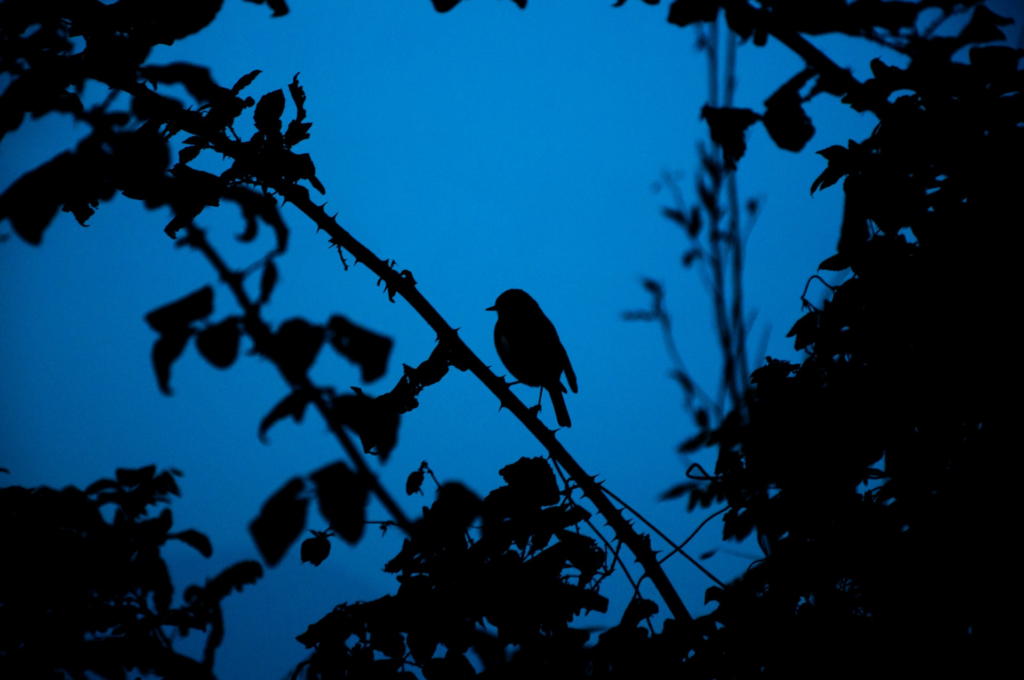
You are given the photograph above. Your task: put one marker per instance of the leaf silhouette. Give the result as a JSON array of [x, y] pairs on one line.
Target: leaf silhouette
[[785, 119], [280, 522], [361, 346], [342, 497], [195, 539], [268, 113], [316, 549], [32, 201], [166, 351], [245, 81], [235, 578], [176, 316], [296, 345], [374, 420], [686, 12], [838, 158], [414, 482], [293, 406], [218, 343], [728, 128]]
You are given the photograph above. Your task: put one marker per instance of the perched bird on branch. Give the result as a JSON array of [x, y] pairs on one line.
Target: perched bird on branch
[[528, 345]]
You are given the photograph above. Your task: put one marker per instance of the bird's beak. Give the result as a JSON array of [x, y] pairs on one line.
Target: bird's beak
[[491, 309]]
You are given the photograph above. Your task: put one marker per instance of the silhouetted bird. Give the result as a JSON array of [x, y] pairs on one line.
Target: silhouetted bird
[[528, 345]]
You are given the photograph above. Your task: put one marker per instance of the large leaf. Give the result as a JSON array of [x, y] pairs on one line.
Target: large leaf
[[342, 496], [280, 522]]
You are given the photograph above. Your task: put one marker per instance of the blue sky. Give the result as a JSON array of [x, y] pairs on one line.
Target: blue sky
[[483, 149]]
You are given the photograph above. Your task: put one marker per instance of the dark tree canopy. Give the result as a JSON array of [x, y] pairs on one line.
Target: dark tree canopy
[[872, 473]]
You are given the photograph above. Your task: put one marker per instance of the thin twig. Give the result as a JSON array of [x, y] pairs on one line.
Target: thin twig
[[676, 548]]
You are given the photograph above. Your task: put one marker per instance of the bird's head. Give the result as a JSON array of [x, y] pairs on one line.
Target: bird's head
[[513, 301]]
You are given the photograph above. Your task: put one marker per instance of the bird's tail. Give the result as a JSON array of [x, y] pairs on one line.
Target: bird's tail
[[559, 403]]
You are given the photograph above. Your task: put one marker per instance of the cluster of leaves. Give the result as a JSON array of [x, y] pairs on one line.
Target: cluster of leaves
[[88, 596], [510, 595], [868, 471], [124, 151], [342, 493]]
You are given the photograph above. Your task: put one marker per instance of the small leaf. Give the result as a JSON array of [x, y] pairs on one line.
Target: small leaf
[[218, 344], [293, 406], [728, 127], [280, 522], [32, 201], [128, 477], [838, 166], [188, 153], [296, 132], [315, 550], [296, 345], [268, 113], [805, 330], [195, 539], [532, 479], [443, 6], [280, 7], [176, 316], [686, 12], [245, 81], [234, 578], [374, 420], [166, 350], [361, 346], [342, 497], [414, 483], [267, 281], [785, 119]]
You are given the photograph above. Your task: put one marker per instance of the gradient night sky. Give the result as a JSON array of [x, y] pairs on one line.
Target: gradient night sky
[[483, 149]]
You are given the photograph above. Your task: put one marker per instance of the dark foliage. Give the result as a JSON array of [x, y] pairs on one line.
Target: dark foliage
[[872, 473], [519, 583], [869, 470], [85, 591]]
